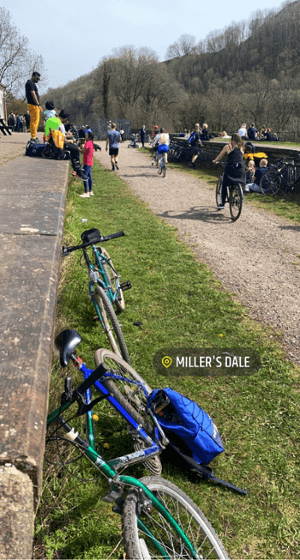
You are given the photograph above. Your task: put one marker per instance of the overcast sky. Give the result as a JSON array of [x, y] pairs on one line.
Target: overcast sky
[[73, 36]]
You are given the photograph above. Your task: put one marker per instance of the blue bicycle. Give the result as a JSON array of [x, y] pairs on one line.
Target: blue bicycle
[[158, 519], [125, 390]]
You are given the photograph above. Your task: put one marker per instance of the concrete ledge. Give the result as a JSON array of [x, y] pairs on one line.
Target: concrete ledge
[[32, 204], [16, 513]]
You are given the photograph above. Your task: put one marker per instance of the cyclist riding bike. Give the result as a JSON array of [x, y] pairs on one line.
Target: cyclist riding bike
[[235, 171], [163, 147], [155, 143]]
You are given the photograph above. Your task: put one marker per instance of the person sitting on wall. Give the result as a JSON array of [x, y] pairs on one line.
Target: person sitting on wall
[[243, 132], [252, 132], [58, 124], [263, 168], [204, 134]]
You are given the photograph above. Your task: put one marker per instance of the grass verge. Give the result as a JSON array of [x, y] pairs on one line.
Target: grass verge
[[179, 304]]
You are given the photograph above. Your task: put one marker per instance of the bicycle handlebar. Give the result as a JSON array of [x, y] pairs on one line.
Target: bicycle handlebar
[[101, 239]]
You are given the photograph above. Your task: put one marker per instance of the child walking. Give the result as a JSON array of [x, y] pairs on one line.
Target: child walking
[[88, 150]]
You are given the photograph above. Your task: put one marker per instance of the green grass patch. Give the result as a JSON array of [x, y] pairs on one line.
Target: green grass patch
[[179, 304]]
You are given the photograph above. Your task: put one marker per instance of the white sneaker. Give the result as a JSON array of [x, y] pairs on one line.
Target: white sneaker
[[91, 193], [85, 195]]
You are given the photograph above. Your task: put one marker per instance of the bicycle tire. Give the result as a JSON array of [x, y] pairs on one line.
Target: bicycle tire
[[291, 179], [110, 323], [235, 201], [188, 516], [270, 182], [218, 192], [112, 276], [131, 397]]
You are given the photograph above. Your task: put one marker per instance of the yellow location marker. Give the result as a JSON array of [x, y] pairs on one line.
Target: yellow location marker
[[166, 361]]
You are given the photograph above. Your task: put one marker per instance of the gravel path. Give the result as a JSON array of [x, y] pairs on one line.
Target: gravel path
[[257, 257]]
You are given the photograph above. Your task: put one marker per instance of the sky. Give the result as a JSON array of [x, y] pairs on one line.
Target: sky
[[72, 37]]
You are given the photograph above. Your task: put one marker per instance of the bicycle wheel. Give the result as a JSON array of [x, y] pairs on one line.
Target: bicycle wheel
[[291, 178], [218, 192], [235, 201], [110, 323], [270, 182], [138, 543], [131, 397], [112, 277], [164, 169]]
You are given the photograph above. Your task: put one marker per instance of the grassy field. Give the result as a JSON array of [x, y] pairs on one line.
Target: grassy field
[[179, 304]]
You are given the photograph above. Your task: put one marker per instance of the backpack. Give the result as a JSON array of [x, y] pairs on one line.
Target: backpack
[[191, 139], [184, 419], [191, 432], [34, 149]]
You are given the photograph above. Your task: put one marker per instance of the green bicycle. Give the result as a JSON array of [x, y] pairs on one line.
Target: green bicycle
[[105, 288]]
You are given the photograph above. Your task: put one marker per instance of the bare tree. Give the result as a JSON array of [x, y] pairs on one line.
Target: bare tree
[[17, 62], [186, 44]]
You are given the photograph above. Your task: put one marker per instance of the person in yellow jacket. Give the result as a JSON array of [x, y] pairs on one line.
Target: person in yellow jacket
[[33, 103]]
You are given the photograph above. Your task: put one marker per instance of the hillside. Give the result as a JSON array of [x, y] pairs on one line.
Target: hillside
[[271, 47], [248, 72]]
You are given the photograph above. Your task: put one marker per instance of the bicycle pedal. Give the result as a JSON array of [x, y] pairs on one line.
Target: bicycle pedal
[[113, 494], [125, 285], [117, 509]]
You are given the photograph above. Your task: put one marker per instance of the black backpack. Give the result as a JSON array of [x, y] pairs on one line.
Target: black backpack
[[34, 149]]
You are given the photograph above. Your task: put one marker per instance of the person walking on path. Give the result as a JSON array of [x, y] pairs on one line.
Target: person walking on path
[[88, 150], [143, 133], [195, 144], [33, 103], [113, 139]]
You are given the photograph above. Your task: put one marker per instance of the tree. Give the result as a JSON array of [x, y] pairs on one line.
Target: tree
[[17, 62], [132, 84], [186, 44]]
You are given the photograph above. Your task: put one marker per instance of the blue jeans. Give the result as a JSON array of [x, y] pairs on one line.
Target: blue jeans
[[88, 184]]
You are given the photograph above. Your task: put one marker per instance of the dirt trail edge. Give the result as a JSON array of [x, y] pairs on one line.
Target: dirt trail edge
[[257, 257]]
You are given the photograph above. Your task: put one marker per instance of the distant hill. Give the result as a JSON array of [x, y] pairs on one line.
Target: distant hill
[[272, 47], [248, 72]]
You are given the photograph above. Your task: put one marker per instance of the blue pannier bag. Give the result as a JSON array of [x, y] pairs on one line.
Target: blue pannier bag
[[191, 432], [185, 419]]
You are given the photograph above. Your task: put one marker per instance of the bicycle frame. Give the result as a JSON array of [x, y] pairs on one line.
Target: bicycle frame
[[154, 449], [98, 275], [117, 482]]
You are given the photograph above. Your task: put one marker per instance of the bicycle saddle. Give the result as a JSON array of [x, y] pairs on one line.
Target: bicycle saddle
[[66, 342]]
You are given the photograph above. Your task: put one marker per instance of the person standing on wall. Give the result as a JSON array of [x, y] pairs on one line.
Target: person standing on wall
[[33, 103]]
